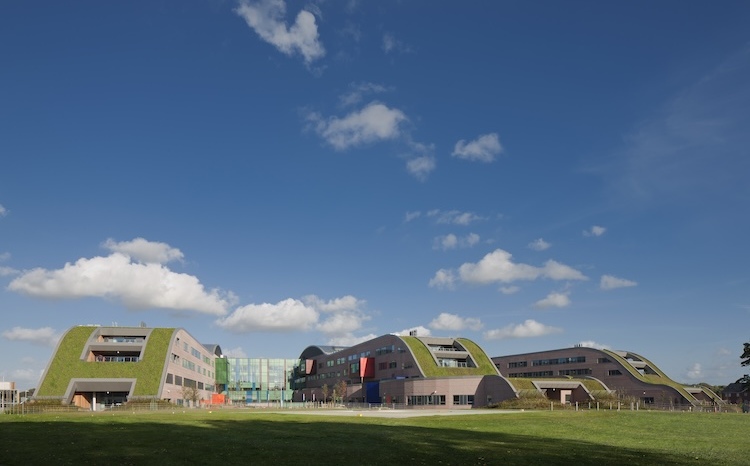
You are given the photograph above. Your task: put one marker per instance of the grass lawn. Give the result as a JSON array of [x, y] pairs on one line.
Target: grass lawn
[[252, 437]]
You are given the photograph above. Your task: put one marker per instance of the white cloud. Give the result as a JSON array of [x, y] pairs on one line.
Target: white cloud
[[7, 271], [45, 336], [375, 122], [594, 231], [483, 149], [357, 91], [592, 344], [497, 266], [695, 372], [530, 328], [146, 251], [350, 340], [509, 289], [26, 378], [421, 167], [392, 44], [137, 285], [454, 322], [539, 245], [451, 241], [3, 211], [454, 217], [235, 353], [608, 282], [553, 300], [421, 331], [266, 18], [443, 279], [338, 317], [287, 315], [412, 216], [345, 303]]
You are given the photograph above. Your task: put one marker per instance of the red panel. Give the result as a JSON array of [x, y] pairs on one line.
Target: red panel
[[309, 366], [367, 367]]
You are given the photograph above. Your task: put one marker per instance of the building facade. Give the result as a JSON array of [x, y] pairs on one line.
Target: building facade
[[619, 372], [94, 367], [260, 380], [425, 372]]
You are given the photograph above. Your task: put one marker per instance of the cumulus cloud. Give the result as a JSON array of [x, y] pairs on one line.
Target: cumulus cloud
[[451, 241], [454, 322], [26, 377], [409, 216], [287, 315], [553, 300], [338, 317], [392, 44], [3, 211], [7, 271], [146, 251], [695, 372], [421, 167], [530, 328], [594, 231], [482, 149], [266, 18], [608, 282], [235, 353], [592, 344], [136, 285], [443, 278], [539, 245], [509, 289], [357, 91], [350, 340], [421, 331], [453, 217], [373, 123], [45, 336], [498, 266]]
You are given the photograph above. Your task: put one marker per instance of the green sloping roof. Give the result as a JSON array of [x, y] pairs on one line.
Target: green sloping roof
[[660, 379], [430, 368], [67, 364]]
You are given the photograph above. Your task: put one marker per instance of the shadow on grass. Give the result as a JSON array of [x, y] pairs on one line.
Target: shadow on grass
[[293, 442]]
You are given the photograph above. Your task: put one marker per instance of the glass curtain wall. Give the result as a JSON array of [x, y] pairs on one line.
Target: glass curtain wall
[[261, 380]]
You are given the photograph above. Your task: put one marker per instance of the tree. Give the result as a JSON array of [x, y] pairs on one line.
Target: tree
[[746, 355], [339, 390], [191, 394], [325, 389]]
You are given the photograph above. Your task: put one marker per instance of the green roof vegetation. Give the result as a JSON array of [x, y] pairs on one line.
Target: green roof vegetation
[[67, 364], [654, 379], [521, 383], [424, 358]]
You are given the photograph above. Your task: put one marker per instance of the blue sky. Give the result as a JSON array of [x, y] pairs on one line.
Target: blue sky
[[274, 174]]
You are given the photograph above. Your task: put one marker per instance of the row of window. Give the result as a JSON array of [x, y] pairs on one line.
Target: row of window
[[545, 362], [185, 382], [420, 400], [124, 339]]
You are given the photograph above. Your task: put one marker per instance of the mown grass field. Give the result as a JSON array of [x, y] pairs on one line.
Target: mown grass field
[[260, 438]]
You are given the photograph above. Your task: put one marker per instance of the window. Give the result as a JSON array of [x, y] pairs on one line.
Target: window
[[603, 360], [574, 372], [547, 362], [614, 372], [169, 378], [512, 365], [463, 399]]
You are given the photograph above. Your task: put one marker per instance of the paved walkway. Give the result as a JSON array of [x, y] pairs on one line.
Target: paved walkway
[[398, 413]]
